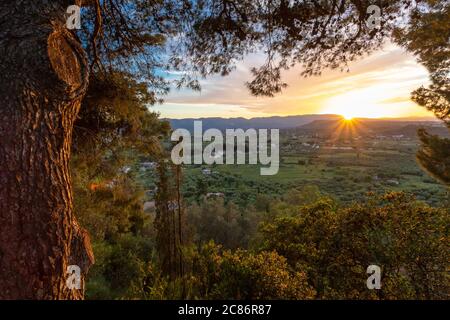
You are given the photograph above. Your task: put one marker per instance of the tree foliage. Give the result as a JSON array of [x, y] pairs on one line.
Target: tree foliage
[[314, 34], [113, 130], [427, 36], [335, 245], [227, 224], [206, 37], [245, 275]]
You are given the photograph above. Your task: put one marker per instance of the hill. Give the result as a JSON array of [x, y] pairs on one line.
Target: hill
[[256, 123], [370, 127]]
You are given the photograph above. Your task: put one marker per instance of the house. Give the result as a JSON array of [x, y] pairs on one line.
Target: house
[[96, 186], [125, 169], [206, 172], [148, 166], [149, 206], [392, 182], [151, 192], [215, 195]]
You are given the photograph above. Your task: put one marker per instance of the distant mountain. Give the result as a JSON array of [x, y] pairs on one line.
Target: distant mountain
[[320, 124], [256, 123], [411, 130], [364, 127]]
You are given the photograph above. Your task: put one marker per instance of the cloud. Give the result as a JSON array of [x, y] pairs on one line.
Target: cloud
[[390, 71], [396, 100]]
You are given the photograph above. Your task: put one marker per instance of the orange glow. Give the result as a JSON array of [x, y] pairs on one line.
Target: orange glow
[[359, 103], [347, 117]]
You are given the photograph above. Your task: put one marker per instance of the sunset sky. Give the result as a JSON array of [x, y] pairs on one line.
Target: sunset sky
[[378, 85]]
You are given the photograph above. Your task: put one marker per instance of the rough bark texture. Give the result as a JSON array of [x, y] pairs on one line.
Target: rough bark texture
[[43, 72]]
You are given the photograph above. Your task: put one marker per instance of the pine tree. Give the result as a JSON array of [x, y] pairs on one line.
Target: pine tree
[[170, 221], [428, 36]]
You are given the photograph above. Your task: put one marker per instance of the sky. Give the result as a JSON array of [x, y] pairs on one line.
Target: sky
[[377, 86]]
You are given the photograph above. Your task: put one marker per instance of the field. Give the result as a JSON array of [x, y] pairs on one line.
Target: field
[[345, 170]]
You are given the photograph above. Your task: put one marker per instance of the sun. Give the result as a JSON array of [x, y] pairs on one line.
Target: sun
[[347, 117], [358, 103]]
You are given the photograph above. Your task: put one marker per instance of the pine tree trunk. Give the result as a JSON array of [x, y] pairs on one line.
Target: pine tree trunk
[[44, 74]]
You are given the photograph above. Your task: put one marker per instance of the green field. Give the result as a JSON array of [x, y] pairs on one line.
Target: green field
[[346, 174]]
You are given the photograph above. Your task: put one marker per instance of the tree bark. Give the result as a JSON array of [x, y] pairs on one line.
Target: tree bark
[[43, 72]]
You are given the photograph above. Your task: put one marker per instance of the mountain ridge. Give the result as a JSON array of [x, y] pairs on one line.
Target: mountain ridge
[[280, 122]]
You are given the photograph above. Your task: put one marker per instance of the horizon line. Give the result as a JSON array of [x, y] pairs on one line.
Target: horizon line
[[411, 118]]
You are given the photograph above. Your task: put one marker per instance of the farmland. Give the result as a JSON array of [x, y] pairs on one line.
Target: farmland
[[343, 167]]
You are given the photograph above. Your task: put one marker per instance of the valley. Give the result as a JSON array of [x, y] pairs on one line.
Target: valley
[[343, 159]]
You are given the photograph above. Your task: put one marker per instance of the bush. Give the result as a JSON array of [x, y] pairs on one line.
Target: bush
[[407, 239], [245, 275]]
